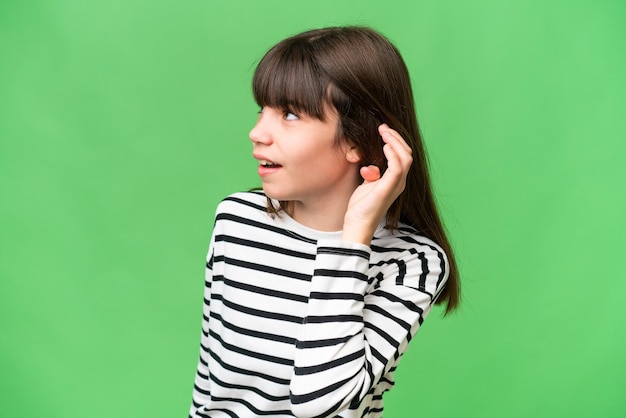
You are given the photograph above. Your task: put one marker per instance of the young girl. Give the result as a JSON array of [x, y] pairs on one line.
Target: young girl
[[316, 285]]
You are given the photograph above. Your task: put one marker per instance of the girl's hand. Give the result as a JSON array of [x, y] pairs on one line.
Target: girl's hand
[[371, 200]]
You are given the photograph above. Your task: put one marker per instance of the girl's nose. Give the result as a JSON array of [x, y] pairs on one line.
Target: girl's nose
[[260, 132]]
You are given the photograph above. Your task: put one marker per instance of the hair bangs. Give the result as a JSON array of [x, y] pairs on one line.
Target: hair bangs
[[288, 77]]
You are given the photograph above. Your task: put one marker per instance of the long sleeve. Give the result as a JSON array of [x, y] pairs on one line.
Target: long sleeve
[[299, 323], [201, 394], [359, 321]]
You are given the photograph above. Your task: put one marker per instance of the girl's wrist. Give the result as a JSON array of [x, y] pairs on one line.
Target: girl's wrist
[[359, 233]]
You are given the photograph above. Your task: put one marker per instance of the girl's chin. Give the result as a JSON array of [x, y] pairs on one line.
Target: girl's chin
[[272, 194]]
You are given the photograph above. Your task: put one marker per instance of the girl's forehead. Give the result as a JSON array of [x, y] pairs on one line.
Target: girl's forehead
[[309, 101], [290, 78]]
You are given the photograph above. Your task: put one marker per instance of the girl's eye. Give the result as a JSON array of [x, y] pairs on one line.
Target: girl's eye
[[290, 116]]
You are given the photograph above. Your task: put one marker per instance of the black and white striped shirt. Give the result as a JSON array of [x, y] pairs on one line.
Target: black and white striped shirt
[[299, 323]]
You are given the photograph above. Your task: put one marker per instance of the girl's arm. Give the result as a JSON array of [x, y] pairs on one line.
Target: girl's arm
[[355, 331]]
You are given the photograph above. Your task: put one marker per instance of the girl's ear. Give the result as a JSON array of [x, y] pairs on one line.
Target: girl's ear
[[353, 155]]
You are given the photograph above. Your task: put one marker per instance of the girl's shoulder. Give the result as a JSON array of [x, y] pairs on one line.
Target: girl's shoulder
[[405, 240], [255, 199], [415, 260], [242, 208]]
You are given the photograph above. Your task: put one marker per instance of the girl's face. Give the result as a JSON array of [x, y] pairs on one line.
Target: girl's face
[[300, 159]]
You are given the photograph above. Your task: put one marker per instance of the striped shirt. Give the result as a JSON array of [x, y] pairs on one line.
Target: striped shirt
[[299, 323]]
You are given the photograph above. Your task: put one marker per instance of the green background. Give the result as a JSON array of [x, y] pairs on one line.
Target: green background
[[124, 122]]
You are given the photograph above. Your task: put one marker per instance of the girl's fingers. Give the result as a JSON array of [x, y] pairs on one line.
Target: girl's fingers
[[387, 133], [396, 150], [394, 161]]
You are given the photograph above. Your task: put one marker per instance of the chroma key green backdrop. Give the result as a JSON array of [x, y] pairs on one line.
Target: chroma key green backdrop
[[124, 122]]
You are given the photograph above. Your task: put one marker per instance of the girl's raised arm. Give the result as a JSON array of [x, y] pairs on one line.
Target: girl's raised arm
[[360, 319]]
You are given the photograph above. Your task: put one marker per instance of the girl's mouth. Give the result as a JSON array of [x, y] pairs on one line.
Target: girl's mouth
[[268, 167], [268, 164]]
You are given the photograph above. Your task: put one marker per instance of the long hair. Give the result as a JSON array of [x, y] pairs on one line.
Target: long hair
[[362, 75]]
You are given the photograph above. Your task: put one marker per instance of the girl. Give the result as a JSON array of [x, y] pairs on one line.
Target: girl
[[316, 285]]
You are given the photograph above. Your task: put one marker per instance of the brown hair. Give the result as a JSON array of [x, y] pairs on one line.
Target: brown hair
[[362, 75]]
